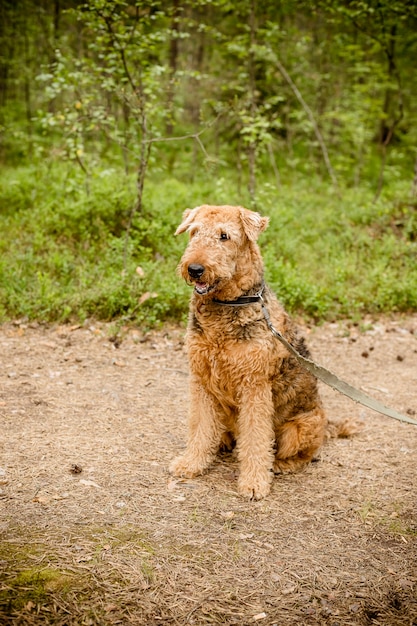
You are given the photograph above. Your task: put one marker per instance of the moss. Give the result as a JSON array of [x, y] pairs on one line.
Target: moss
[[34, 585]]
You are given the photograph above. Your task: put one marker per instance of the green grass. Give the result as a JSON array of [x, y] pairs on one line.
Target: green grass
[[64, 254]]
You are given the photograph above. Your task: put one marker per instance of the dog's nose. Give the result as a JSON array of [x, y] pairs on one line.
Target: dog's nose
[[195, 270]]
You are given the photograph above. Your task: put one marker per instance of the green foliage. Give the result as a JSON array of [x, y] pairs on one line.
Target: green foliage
[[65, 255], [81, 81], [343, 256], [117, 115]]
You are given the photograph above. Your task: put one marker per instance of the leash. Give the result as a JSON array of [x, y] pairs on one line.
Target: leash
[[318, 370]]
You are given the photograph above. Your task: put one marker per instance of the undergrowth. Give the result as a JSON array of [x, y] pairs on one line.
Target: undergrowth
[[68, 253]]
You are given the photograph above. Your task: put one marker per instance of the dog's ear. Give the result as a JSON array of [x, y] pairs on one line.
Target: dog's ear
[[253, 223], [188, 218]]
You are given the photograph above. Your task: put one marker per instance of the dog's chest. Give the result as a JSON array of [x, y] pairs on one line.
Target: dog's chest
[[227, 362], [217, 370]]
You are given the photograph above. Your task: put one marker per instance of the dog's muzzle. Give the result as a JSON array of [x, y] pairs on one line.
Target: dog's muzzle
[[195, 272]]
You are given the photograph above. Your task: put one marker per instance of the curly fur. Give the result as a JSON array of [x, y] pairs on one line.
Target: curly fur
[[245, 387]]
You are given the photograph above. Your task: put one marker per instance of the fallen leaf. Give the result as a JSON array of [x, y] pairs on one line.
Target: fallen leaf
[[89, 483], [42, 499], [259, 616], [60, 496], [145, 296], [118, 363], [139, 271], [227, 514]]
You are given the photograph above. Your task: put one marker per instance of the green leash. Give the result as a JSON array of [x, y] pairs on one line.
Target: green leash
[[333, 381]]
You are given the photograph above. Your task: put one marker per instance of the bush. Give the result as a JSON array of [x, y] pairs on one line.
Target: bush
[[67, 252]]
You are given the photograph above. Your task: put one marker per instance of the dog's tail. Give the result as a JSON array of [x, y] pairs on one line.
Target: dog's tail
[[343, 429]]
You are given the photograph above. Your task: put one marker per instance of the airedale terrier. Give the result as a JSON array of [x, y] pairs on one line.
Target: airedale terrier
[[246, 388]]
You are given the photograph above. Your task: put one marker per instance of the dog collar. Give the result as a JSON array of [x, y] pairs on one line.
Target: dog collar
[[242, 300]]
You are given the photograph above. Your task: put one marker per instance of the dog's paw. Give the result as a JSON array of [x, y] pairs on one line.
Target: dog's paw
[[255, 489], [184, 467]]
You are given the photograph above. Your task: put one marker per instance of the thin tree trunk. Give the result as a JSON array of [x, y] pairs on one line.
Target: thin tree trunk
[[387, 132], [252, 95], [274, 165], [125, 150], [414, 185], [27, 89], [311, 118], [386, 109], [173, 63], [7, 38], [195, 101], [57, 17], [239, 166]]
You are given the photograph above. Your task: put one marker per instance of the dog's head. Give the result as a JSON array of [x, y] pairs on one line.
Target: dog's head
[[222, 257]]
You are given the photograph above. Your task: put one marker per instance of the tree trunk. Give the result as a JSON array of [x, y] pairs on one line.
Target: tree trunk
[[414, 185], [252, 96], [195, 93], [387, 129], [4, 65], [173, 64], [385, 126], [27, 88]]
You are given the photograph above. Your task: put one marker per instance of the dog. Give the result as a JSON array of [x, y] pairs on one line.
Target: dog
[[246, 389]]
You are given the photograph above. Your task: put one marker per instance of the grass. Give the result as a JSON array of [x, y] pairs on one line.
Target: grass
[[35, 585], [65, 255], [41, 584]]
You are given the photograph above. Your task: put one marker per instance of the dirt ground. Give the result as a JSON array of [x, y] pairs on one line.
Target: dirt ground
[[95, 531]]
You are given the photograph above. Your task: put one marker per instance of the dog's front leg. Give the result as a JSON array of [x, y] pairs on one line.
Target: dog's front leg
[[255, 441], [204, 434]]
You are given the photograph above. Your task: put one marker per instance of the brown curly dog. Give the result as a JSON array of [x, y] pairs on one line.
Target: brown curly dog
[[245, 386]]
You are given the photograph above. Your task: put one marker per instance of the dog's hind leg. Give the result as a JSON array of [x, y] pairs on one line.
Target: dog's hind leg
[[297, 441], [205, 431]]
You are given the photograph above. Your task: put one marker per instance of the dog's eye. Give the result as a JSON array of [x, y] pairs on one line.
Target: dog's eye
[[224, 236]]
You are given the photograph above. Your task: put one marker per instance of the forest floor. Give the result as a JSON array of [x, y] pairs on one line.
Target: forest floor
[[95, 531]]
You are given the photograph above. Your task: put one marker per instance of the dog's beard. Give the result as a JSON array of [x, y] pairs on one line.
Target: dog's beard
[[210, 285]]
